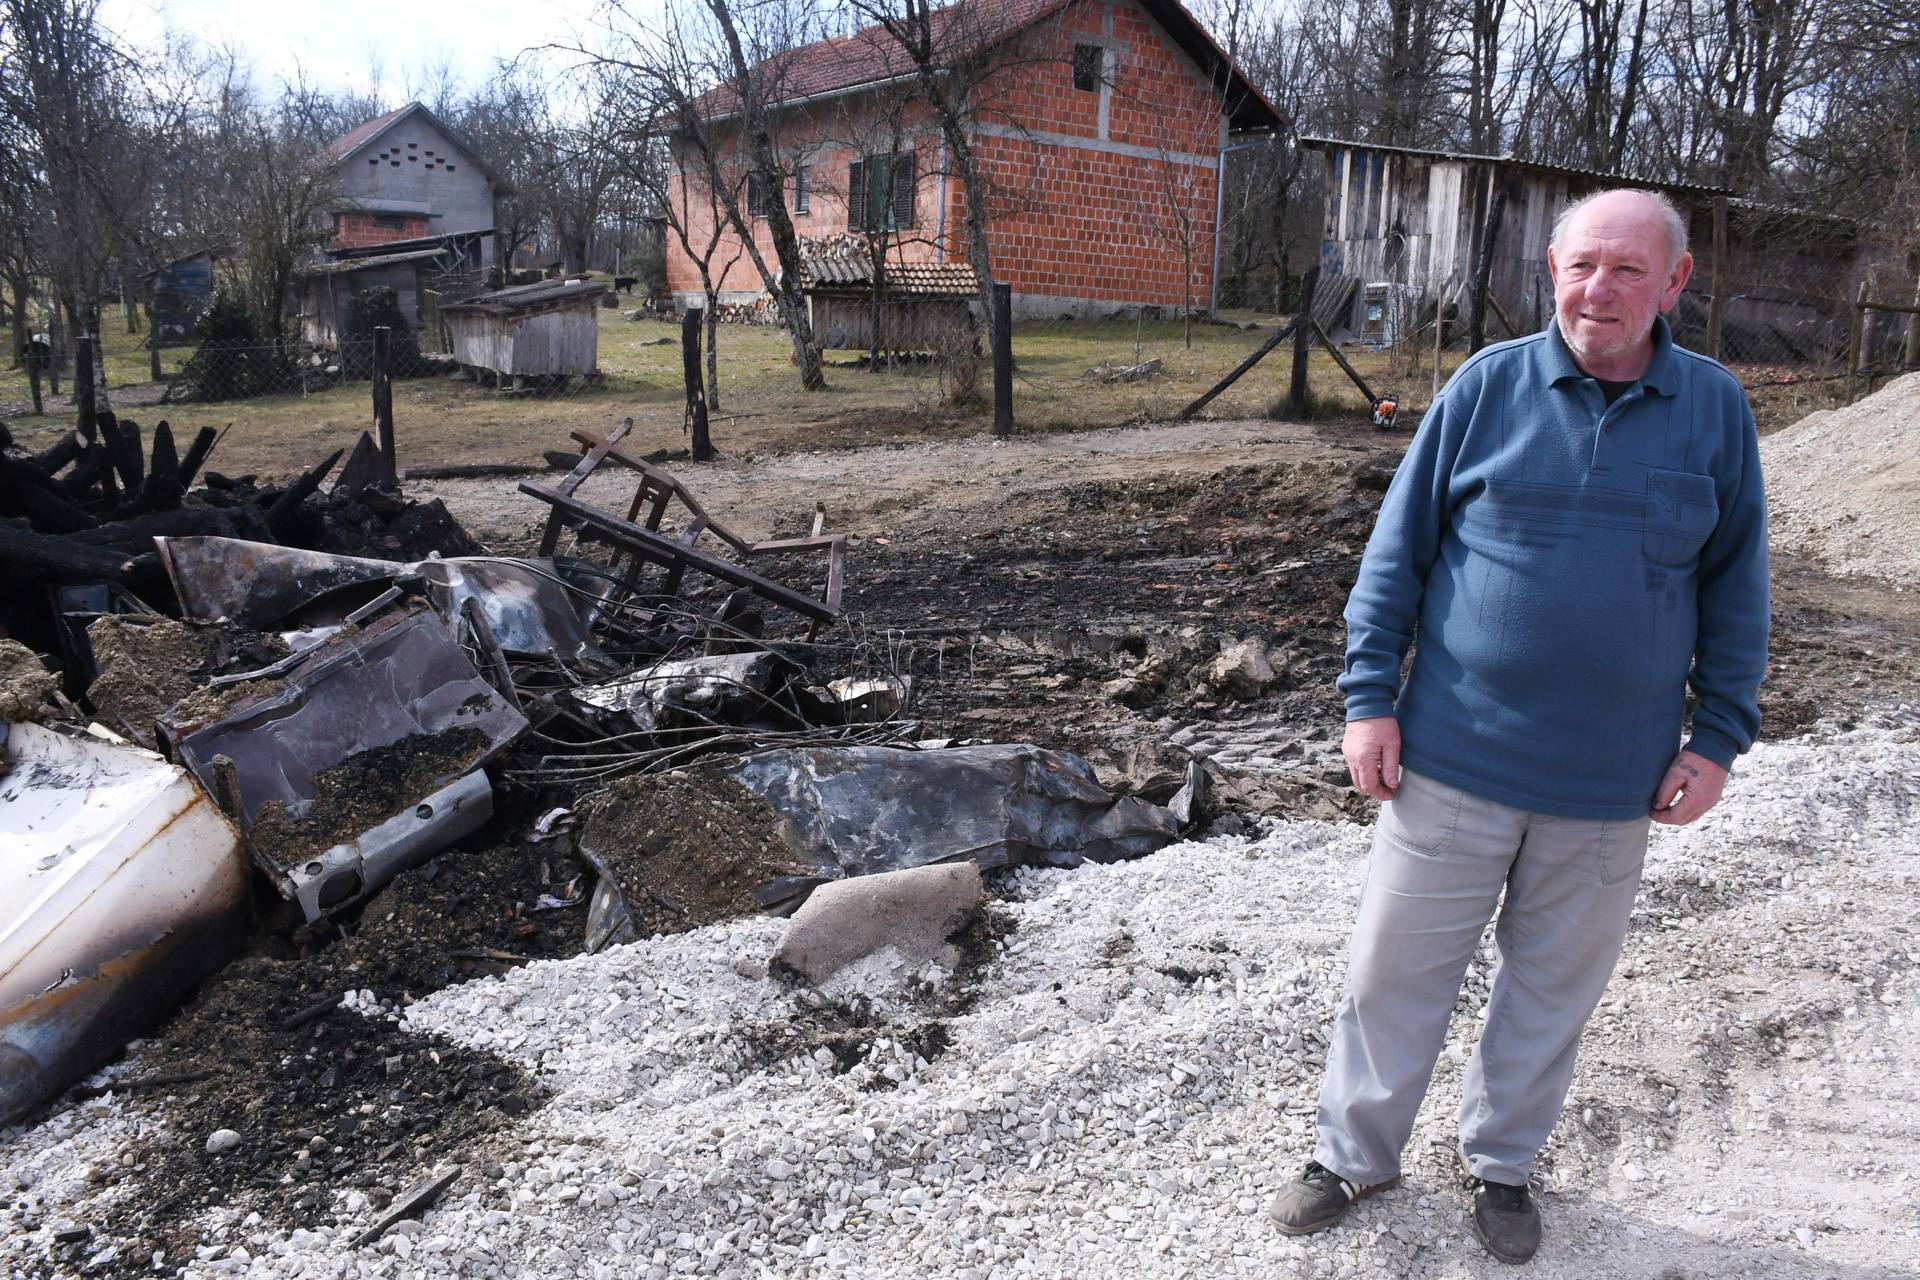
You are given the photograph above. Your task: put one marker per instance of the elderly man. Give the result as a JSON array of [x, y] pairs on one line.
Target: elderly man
[[1578, 532]]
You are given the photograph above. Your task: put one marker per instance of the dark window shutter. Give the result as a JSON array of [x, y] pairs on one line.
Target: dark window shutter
[[903, 190], [857, 196]]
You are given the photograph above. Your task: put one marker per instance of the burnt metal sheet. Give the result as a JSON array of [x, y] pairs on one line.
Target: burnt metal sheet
[[526, 603], [121, 885], [401, 683], [711, 689], [257, 583], [856, 810]]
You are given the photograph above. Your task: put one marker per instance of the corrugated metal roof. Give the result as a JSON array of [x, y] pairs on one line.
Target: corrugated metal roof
[[347, 266], [1516, 162], [524, 297]]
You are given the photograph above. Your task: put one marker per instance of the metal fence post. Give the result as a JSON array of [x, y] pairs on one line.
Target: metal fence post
[[1003, 359], [383, 404]]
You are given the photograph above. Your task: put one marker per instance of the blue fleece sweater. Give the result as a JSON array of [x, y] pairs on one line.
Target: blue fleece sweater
[[1569, 567]]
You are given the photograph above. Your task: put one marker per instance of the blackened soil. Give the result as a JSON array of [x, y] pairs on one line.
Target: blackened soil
[[363, 791], [388, 1106], [1096, 578], [686, 848], [340, 1104]]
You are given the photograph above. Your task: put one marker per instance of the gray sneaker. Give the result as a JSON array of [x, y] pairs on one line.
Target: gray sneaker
[[1505, 1218], [1315, 1200]]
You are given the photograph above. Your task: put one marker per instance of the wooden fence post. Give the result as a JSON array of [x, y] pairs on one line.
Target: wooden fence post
[[696, 384], [83, 384], [1717, 299], [1439, 333], [1483, 271], [153, 347], [1910, 358], [1855, 332], [1003, 359], [383, 404], [1302, 341]]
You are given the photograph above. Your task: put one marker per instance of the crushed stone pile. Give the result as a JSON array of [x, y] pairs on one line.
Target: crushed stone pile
[[1843, 485], [1127, 1073]]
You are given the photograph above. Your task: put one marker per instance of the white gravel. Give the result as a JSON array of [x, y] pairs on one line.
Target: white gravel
[[1747, 1104], [1843, 485]]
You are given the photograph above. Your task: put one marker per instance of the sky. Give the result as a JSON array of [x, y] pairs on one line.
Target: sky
[[344, 44]]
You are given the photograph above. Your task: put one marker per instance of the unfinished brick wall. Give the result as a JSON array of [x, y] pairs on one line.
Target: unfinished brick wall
[[357, 230], [1102, 198]]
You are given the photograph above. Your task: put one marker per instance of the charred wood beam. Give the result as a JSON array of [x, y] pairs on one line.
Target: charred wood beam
[[26, 491], [195, 521], [281, 516], [67, 448], [197, 454], [27, 556]]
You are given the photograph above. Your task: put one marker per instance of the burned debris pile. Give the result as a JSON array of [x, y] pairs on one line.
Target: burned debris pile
[[231, 710]]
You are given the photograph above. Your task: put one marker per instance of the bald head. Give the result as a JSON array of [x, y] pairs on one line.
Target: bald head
[[1628, 204]]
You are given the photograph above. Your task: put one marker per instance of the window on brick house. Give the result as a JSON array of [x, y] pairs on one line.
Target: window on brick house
[[880, 192], [802, 188], [760, 196], [1088, 60]]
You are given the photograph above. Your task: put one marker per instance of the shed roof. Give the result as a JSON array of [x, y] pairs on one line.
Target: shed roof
[[348, 266], [853, 270], [439, 244], [870, 57], [529, 297], [1693, 189]]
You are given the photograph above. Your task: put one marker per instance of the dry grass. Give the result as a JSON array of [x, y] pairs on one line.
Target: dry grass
[[761, 406]]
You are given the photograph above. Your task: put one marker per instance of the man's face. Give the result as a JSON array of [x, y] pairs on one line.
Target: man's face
[[1610, 278]]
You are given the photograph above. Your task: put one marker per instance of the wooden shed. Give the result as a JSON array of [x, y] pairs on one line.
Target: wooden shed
[[920, 305], [411, 268], [549, 329], [1404, 223]]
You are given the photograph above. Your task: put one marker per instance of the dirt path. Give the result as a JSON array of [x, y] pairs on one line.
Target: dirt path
[[886, 488]]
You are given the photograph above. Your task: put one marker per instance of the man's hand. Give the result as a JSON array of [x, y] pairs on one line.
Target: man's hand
[[1372, 749], [1692, 786]]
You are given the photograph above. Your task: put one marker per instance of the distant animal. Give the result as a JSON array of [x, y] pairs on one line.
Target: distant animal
[[624, 284]]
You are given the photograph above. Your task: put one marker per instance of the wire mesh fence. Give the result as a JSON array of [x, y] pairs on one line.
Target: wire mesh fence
[[1798, 340]]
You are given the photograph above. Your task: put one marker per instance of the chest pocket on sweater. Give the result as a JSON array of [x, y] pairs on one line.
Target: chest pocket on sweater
[[1681, 511]]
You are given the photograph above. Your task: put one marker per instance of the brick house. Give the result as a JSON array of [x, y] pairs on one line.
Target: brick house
[[406, 176], [1101, 133]]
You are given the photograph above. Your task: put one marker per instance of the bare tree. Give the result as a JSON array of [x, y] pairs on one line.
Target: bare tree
[[715, 89], [73, 100]]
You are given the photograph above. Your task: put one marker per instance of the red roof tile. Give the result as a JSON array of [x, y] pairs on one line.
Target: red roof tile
[[871, 56], [353, 139]]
